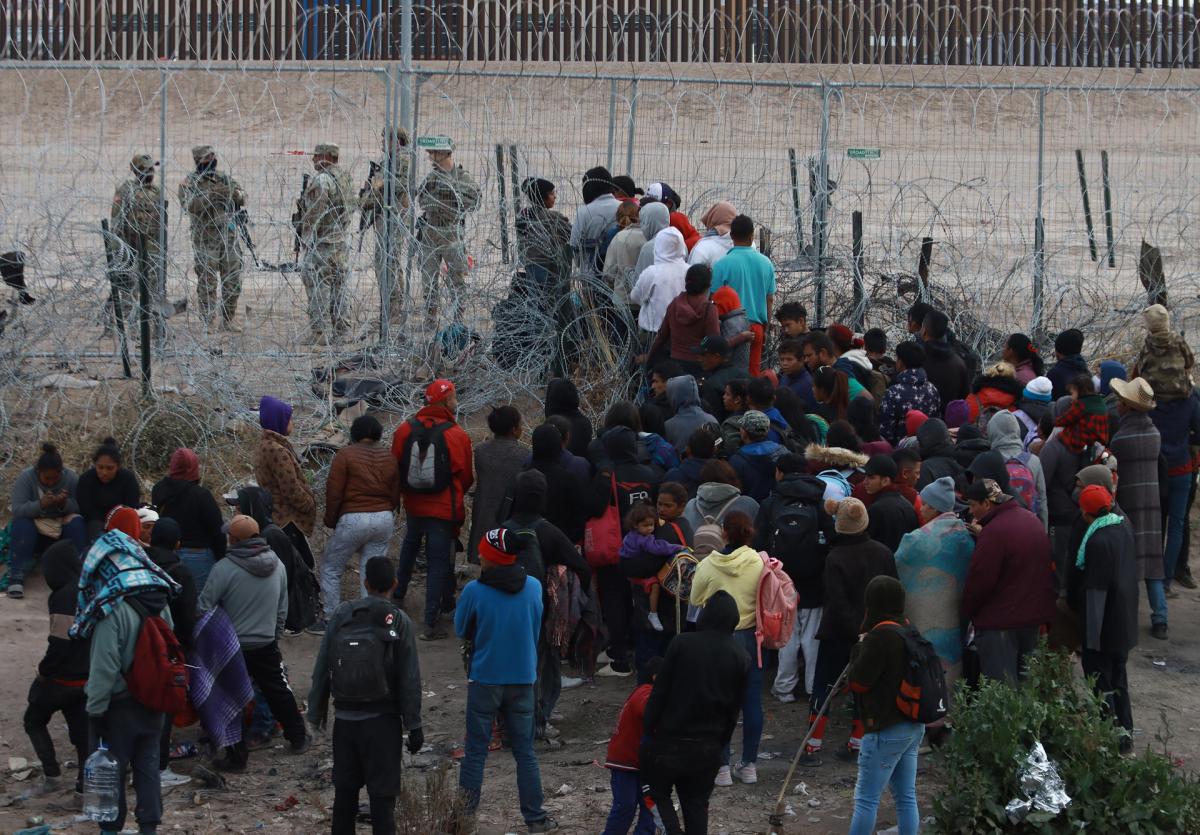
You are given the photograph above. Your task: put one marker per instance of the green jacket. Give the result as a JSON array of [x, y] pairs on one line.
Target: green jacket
[[406, 683], [113, 642]]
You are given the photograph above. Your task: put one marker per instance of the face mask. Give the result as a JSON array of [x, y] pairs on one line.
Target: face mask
[[205, 167], [146, 179]]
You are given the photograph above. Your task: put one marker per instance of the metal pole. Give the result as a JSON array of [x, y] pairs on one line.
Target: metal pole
[[860, 293], [406, 68], [632, 122], [160, 264], [503, 203], [796, 202], [411, 219], [822, 201], [1087, 204], [612, 119], [1039, 232], [387, 278], [1108, 211], [143, 279]]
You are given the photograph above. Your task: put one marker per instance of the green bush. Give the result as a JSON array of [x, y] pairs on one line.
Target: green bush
[[994, 730]]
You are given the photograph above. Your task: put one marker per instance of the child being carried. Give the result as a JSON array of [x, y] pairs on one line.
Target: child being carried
[[639, 542]]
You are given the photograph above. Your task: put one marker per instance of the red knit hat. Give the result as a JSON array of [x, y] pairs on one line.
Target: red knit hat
[[1095, 500], [498, 547], [842, 336], [913, 419], [438, 390], [126, 520]]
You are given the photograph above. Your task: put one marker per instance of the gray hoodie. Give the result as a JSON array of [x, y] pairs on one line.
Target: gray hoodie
[[250, 584], [1007, 438], [717, 500], [653, 218], [684, 397], [27, 495]]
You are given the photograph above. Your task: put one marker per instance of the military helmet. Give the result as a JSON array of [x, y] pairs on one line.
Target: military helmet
[[200, 152], [142, 164]]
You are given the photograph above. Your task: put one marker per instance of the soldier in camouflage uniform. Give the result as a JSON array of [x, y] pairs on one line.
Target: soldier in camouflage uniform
[[445, 197], [324, 232], [136, 221], [212, 199], [388, 220]]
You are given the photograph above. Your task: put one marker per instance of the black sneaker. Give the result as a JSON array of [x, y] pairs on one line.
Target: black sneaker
[[431, 633], [809, 759], [229, 766], [846, 754], [546, 824], [1159, 630], [303, 745]]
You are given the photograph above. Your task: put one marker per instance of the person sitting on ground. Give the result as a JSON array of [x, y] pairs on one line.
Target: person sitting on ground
[[105, 485], [500, 615], [277, 470], [622, 759], [44, 511], [735, 327], [701, 448], [1069, 361], [182, 497], [1023, 356], [61, 674], [376, 698], [251, 586], [854, 560], [689, 417], [362, 492], [640, 542], [892, 514], [754, 462], [716, 240], [1104, 593], [888, 755], [1085, 422], [689, 318], [497, 462], [875, 344], [718, 372], [692, 712], [1165, 359]]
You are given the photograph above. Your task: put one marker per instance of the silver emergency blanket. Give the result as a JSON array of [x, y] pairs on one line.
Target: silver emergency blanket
[[1041, 787]]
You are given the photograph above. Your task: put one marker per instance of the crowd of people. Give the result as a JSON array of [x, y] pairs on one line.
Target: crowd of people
[[984, 505]]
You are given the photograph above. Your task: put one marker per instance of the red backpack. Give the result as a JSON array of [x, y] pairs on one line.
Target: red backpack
[[774, 607], [157, 678], [1022, 481]]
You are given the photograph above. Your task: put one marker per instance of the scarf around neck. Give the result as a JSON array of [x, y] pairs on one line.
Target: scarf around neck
[[1100, 522]]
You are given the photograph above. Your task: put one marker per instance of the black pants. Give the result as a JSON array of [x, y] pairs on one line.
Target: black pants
[[132, 737], [688, 767], [265, 666], [616, 607], [1111, 683], [367, 752], [1003, 652], [45, 699]]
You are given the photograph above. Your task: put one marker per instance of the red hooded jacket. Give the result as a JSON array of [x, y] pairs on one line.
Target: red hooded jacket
[[447, 504], [690, 236], [623, 748]]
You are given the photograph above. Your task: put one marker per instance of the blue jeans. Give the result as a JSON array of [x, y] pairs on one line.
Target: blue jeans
[[438, 535], [26, 539], [200, 562], [1179, 487], [1157, 596], [626, 803], [515, 703], [262, 722], [752, 709], [888, 757]]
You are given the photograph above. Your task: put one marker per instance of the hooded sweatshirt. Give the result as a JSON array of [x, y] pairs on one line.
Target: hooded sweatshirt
[[687, 321], [807, 565], [528, 513], [684, 395], [662, 282], [715, 500], [501, 613], [878, 662], [114, 640], [194, 508], [754, 463], [65, 659], [946, 370], [937, 455], [635, 482], [250, 584], [737, 573], [562, 398], [734, 327], [1006, 436], [183, 605], [698, 693], [621, 260], [653, 218], [1064, 371], [27, 495]]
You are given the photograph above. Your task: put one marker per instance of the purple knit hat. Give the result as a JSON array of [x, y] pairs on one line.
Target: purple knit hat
[[274, 414], [957, 413]]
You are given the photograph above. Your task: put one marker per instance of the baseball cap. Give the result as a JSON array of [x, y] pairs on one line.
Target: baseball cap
[[147, 514], [1094, 499], [438, 390], [241, 527], [712, 345]]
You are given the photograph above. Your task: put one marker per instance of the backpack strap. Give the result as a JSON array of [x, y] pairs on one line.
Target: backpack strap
[[679, 533]]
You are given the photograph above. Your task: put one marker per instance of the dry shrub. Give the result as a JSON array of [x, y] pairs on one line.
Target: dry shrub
[[431, 804]]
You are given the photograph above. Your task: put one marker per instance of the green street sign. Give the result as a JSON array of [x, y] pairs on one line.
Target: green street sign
[[435, 143], [864, 153]]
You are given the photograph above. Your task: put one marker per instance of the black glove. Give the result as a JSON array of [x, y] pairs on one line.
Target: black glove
[[97, 728], [416, 738]]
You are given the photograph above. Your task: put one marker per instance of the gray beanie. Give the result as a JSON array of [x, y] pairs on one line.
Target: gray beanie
[[939, 494]]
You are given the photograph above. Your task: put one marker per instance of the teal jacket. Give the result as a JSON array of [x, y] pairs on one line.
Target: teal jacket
[[113, 642]]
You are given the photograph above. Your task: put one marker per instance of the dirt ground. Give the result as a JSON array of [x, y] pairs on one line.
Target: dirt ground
[[1162, 678]]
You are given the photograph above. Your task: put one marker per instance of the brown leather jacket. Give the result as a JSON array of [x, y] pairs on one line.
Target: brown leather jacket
[[364, 478], [277, 469]]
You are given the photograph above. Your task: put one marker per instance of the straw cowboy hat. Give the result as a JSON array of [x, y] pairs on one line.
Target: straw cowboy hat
[[1137, 393]]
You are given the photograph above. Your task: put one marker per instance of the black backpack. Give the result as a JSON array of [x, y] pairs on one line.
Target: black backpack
[[795, 530], [967, 354], [789, 439], [362, 653], [304, 598], [922, 696], [425, 464]]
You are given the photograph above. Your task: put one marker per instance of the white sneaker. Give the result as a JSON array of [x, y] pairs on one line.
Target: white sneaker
[[167, 778], [570, 683], [784, 698], [607, 671], [654, 621], [746, 772], [723, 777], [603, 658]]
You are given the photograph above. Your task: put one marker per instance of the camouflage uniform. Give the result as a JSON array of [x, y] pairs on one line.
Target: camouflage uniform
[[324, 226], [211, 199], [445, 198], [389, 263], [136, 222]]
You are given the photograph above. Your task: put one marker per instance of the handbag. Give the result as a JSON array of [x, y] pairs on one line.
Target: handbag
[[602, 535]]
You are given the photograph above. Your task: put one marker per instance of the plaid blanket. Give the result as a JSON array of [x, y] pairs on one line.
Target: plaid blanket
[[115, 567], [219, 686]]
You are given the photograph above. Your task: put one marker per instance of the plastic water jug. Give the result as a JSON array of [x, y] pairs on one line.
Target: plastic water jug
[[101, 785]]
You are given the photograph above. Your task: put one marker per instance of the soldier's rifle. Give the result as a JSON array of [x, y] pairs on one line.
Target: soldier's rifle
[[364, 219], [115, 296]]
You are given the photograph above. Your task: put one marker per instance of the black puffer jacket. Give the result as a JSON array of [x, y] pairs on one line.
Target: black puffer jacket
[[66, 659], [807, 567], [562, 398]]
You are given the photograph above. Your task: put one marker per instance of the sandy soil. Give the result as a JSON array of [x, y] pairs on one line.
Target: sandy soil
[[1162, 682]]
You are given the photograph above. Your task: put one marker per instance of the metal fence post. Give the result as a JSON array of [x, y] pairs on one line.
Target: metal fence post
[[822, 207], [1039, 231], [632, 122], [389, 195], [612, 119]]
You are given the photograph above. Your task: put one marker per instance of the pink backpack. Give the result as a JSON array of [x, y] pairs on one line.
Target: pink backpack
[[775, 606]]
